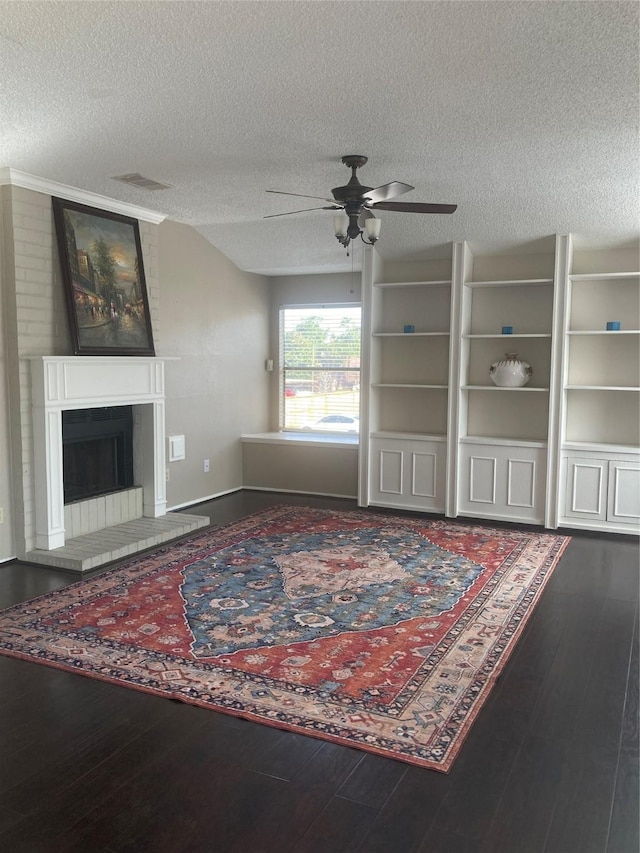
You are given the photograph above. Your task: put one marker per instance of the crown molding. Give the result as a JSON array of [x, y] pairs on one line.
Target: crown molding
[[42, 185]]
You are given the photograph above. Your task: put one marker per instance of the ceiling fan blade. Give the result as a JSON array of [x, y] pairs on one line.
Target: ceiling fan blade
[[413, 207], [387, 191], [306, 210], [300, 195]]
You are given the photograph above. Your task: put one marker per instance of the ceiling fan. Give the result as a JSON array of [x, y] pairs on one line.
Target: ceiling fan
[[358, 202]]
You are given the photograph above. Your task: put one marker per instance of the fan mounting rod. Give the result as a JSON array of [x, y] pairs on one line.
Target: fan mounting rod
[[351, 196], [353, 192]]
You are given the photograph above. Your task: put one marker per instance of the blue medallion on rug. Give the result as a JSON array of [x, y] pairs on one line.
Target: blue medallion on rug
[[275, 590]]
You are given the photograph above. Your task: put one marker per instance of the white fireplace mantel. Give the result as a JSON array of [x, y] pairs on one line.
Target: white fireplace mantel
[[82, 382]]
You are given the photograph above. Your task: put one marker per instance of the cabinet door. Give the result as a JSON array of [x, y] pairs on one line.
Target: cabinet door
[[624, 492], [408, 474], [502, 481], [587, 481]]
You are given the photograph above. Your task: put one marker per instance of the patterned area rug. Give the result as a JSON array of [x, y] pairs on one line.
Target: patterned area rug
[[375, 631]]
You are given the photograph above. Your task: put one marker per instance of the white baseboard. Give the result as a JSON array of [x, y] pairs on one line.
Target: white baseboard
[[298, 492], [204, 498]]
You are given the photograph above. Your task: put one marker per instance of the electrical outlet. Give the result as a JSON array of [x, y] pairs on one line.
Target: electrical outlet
[[206, 466], [167, 475], [1, 515]]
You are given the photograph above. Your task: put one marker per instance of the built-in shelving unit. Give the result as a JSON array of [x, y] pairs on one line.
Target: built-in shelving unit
[[599, 464], [409, 369], [406, 389], [438, 435], [503, 432]]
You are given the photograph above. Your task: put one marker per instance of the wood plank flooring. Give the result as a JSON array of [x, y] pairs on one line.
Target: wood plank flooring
[[550, 765]]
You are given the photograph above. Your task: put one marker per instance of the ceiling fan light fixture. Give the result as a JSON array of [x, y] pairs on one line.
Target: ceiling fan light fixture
[[340, 225], [372, 229], [346, 229]]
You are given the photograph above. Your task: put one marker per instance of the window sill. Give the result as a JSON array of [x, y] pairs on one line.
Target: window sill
[[302, 439]]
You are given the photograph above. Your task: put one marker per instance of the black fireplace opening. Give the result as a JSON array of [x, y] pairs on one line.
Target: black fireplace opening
[[97, 451]]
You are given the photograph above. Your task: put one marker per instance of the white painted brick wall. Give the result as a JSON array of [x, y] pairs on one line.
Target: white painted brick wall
[[41, 315], [94, 514]]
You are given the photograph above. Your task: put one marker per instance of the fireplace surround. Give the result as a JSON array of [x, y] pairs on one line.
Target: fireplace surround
[[63, 383]]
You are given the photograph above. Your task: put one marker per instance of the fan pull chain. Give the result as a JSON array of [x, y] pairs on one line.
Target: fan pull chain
[[352, 275]]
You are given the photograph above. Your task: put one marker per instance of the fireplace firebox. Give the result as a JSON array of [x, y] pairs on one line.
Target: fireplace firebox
[[97, 451]]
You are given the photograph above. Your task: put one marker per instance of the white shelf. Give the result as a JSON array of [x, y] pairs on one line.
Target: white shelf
[[610, 332], [498, 388], [308, 439], [510, 283], [599, 447], [507, 337], [605, 276], [411, 334], [501, 442], [404, 385], [441, 283], [602, 388], [408, 436]]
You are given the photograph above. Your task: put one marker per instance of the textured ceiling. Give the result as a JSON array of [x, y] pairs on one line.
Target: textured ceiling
[[525, 114]]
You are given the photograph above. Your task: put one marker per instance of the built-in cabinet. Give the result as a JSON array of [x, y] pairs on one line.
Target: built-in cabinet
[[405, 375], [408, 472], [599, 481], [503, 432], [602, 488], [502, 481], [438, 435]]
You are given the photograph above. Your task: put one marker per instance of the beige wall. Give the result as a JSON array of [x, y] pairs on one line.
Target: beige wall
[[313, 470], [214, 318]]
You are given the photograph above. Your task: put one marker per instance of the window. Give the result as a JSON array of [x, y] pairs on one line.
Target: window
[[320, 359]]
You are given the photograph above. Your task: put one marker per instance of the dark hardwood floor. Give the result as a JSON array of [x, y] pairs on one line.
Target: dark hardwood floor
[[550, 765]]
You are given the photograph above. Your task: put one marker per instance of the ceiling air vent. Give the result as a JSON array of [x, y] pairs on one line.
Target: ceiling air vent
[[135, 179]]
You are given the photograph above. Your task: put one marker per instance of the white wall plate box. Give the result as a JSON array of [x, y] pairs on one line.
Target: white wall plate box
[[177, 448]]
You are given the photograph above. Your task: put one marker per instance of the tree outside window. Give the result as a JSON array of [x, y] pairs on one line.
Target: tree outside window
[[320, 358]]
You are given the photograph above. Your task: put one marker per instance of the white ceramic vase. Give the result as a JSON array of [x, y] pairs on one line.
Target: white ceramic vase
[[510, 372]]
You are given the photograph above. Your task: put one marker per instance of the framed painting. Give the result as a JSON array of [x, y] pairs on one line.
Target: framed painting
[[103, 277]]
